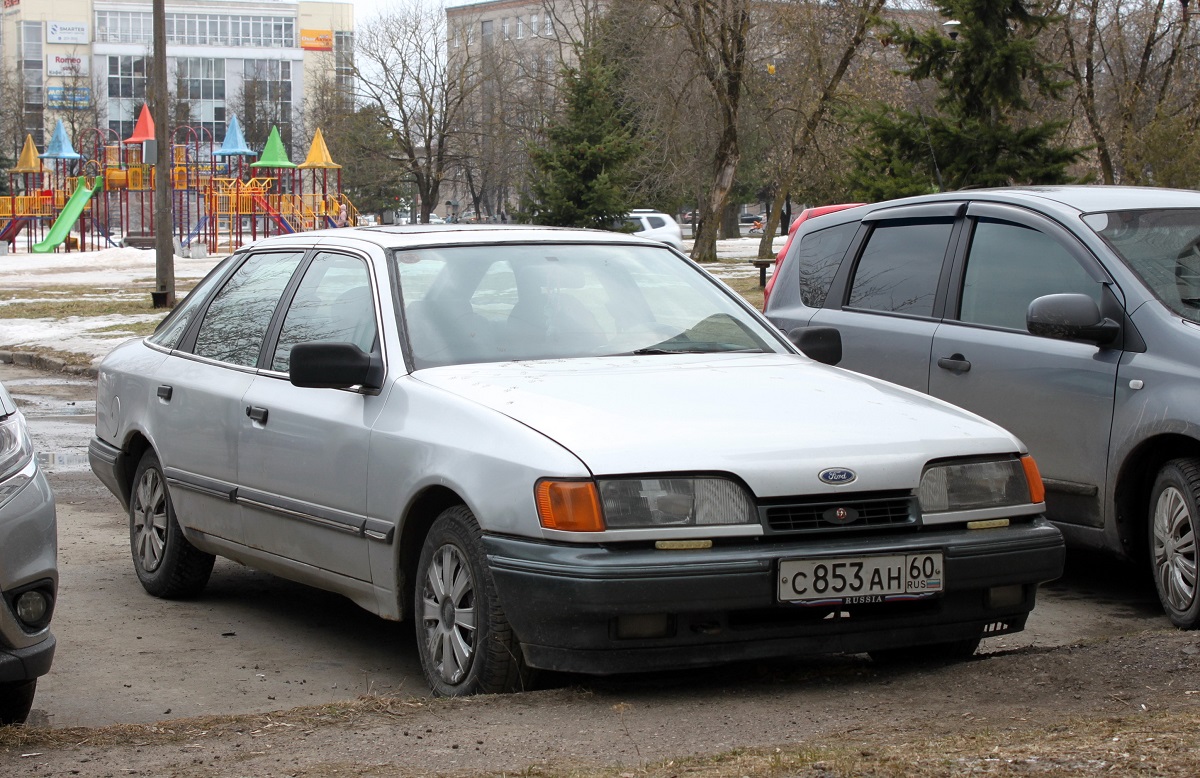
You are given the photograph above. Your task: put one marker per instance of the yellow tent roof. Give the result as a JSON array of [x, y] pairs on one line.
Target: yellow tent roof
[[318, 154], [29, 161]]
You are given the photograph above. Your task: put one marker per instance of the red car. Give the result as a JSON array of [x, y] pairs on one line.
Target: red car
[[807, 213]]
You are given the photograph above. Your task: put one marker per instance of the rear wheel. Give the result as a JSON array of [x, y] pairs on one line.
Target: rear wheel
[[166, 563], [463, 637], [16, 699], [1174, 518]]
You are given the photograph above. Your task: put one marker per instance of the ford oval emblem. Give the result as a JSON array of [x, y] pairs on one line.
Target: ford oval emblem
[[837, 475]]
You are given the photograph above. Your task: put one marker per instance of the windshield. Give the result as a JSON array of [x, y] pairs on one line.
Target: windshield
[[499, 303], [1163, 247]]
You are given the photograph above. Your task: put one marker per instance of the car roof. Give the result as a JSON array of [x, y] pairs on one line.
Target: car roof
[[1081, 198], [399, 236]]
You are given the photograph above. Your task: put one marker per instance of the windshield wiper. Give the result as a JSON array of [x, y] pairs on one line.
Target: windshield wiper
[[705, 350]]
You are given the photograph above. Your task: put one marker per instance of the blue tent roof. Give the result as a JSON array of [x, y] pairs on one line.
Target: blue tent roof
[[235, 142], [60, 145]]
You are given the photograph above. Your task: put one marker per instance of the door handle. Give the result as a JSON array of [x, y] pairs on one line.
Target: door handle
[[955, 362], [257, 414], [164, 392]]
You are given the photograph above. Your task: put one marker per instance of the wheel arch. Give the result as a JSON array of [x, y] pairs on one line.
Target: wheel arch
[[1134, 483], [135, 447], [424, 510]]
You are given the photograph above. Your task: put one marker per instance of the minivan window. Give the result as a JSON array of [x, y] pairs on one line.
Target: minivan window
[[817, 258], [900, 266], [1010, 265], [1163, 247]]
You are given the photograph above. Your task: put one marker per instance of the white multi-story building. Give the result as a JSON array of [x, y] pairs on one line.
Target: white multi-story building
[[63, 55]]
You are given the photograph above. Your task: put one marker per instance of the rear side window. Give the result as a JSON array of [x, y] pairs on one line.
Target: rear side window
[[817, 258], [1009, 266], [900, 266], [656, 222]]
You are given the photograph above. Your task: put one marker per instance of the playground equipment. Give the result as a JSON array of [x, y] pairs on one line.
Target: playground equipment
[[104, 192]]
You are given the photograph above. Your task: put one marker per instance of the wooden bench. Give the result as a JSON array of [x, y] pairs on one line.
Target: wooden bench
[[762, 265]]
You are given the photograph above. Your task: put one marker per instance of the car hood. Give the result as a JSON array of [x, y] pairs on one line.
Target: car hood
[[774, 420]]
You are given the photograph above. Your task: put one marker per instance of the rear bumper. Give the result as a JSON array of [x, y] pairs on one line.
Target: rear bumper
[[570, 606], [110, 465]]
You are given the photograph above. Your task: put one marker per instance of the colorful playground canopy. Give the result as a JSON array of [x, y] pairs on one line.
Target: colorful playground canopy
[[144, 129], [274, 155], [60, 145], [318, 154], [28, 162], [235, 142]]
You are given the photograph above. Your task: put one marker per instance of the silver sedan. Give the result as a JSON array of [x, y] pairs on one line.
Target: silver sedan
[[557, 449]]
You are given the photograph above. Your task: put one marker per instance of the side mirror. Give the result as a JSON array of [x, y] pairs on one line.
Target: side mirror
[[823, 344], [334, 366], [1070, 317]]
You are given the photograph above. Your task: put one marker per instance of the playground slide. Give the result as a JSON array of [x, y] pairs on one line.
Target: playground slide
[[66, 220], [284, 227], [13, 229]]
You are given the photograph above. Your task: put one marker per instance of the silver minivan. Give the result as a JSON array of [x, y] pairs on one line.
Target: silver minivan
[[1068, 315], [28, 566]]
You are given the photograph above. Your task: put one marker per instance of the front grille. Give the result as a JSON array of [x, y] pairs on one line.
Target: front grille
[[854, 511]]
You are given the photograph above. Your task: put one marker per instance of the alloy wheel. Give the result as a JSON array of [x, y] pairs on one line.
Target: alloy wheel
[[148, 513], [449, 613], [1175, 548]]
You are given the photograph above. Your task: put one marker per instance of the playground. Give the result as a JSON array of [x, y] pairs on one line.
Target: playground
[[102, 195]]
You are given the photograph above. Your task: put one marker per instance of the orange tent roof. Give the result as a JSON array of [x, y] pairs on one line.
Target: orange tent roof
[[29, 161], [144, 129], [318, 154]]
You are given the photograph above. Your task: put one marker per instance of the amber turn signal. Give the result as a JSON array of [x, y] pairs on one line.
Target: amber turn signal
[[572, 506], [1037, 490]]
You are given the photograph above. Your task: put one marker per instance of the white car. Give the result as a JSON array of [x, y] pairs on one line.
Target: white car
[[547, 447], [655, 225]]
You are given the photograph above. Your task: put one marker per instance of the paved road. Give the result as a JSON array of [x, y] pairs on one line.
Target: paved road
[[256, 643]]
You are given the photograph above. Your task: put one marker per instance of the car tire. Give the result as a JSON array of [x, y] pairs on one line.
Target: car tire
[[16, 699], [1174, 521], [937, 653], [464, 640], [166, 563]]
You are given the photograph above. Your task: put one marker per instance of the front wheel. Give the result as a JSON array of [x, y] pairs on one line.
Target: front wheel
[[16, 699], [1174, 517], [166, 563], [463, 637]]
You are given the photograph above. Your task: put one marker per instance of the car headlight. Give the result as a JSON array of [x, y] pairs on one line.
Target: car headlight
[[15, 447], [970, 485], [637, 503]]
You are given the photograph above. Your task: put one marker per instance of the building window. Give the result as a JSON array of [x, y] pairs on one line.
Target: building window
[[343, 58], [533, 25], [548, 26], [267, 91], [457, 38], [485, 32], [520, 27], [200, 83], [126, 92], [504, 28], [194, 29], [32, 71]]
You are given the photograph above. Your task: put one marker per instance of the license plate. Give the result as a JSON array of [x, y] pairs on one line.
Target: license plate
[[861, 579]]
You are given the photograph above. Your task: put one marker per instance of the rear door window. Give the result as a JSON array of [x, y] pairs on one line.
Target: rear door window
[[899, 269]]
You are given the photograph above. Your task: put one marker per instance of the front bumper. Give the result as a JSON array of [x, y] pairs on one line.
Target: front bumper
[[566, 603], [24, 664], [28, 559]]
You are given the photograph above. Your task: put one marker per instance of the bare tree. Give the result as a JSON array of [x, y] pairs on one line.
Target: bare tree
[[804, 54], [1135, 86], [420, 94]]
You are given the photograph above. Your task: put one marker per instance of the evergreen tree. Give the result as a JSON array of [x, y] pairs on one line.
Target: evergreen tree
[[581, 177], [983, 131]]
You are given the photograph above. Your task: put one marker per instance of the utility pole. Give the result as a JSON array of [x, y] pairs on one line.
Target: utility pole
[[164, 263]]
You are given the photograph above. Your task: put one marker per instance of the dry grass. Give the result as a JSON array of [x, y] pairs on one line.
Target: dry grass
[[62, 302]]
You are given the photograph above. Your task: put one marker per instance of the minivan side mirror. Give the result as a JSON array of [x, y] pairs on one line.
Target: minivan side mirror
[[1070, 317], [334, 366], [823, 344]]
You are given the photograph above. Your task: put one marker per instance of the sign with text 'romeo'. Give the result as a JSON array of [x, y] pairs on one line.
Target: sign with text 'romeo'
[[67, 65]]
